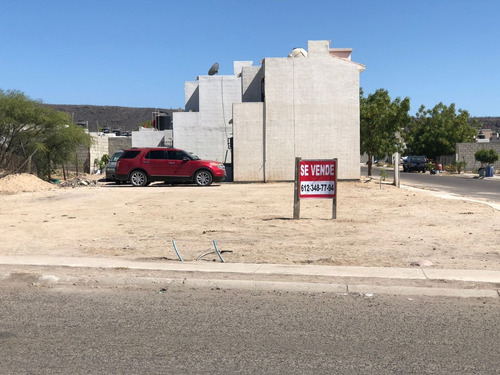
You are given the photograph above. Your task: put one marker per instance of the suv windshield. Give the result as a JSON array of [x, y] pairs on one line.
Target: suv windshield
[[419, 159], [192, 156]]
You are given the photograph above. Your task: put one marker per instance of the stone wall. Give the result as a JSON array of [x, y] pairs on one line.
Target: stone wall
[[118, 143], [466, 151], [98, 149], [85, 156]]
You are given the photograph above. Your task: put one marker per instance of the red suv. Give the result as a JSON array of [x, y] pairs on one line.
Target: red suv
[[141, 166]]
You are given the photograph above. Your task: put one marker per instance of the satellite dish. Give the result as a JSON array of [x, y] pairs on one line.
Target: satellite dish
[[214, 69]]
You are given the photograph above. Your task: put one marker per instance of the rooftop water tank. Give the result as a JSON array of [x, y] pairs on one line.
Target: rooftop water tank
[[298, 52]]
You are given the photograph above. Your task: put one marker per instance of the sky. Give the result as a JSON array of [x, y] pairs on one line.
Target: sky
[[140, 53]]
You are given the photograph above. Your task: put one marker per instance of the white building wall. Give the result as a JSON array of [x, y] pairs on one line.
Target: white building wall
[[186, 133], [327, 114], [207, 134], [238, 66], [151, 138], [248, 156], [312, 111], [279, 119], [191, 96], [99, 146], [98, 149], [251, 81]]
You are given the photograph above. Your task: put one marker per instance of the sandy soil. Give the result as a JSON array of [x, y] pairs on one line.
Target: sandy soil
[[375, 226]]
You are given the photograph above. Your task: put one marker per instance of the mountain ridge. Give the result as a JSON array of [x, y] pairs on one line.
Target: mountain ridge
[[110, 117]]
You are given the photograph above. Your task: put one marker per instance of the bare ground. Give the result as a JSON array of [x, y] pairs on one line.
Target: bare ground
[[376, 225]]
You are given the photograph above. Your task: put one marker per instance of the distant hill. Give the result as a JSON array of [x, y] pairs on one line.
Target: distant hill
[[489, 122], [129, 118], [111, 117]]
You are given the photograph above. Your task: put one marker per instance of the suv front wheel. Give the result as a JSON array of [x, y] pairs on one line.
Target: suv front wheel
[[138, 178], [203, 178]]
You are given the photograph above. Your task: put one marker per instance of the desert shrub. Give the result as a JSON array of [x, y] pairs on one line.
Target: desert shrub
[[460, 165], [450, 168]]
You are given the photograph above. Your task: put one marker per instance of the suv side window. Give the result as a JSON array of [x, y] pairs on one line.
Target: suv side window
[[116, 156], [176, 155], [156, 154], [130, 154]]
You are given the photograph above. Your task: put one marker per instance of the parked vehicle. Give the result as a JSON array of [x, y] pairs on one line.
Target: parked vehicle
[[415, 163], [141, 166], [111, 166]]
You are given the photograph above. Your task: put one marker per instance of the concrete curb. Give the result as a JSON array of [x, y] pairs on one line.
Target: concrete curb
[[422, 291], [259, 269], [366, 290], [252, 285], [331, 273]]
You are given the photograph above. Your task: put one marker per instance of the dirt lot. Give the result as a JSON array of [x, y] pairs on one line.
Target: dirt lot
[[374, 226]]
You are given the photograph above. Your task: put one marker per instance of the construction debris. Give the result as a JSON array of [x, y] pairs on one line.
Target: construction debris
[[78, 182]]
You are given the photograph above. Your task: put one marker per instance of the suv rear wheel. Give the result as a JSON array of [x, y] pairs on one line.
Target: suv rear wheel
[[203, 178], [138, 178]]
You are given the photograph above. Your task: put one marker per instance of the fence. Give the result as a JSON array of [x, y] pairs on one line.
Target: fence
[[446, 159], [466, 151]]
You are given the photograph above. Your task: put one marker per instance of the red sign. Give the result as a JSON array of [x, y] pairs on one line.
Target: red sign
[[317, 178]]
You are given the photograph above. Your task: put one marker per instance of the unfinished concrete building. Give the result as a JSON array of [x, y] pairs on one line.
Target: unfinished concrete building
[[262, 117]]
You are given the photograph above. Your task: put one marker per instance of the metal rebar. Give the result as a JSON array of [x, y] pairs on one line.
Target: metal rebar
[[177, 252], [218, 253]]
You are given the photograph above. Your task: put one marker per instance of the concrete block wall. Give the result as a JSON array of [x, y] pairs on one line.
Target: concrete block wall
[[328, 125], [109, 143], [238, 66], [99, 148], [186, 134], [311, 111], [191, 96], [279, 119], [206, 132], [151, 138], [466, 151], [251, 81], [85, 156], [83, 160], [118, 143], [248, 156], [318, 49]]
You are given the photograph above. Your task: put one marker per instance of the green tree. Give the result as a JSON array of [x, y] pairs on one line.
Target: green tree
[[380, 120], [58, 143], [27, 129], [19, 125], [436, 131], [486, 156]]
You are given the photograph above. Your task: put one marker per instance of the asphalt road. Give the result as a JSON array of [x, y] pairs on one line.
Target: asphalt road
[[462, 185], [72, 330]]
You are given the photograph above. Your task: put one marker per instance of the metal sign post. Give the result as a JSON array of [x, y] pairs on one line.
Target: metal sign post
[[334, 207], [296, 197]]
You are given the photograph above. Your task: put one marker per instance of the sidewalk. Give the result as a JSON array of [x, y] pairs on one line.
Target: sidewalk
[[307, 278]]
